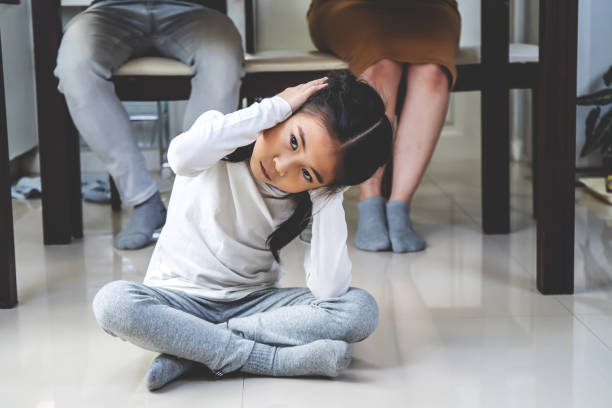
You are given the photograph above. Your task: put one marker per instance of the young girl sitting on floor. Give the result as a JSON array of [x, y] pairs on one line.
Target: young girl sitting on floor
[[247, 184]]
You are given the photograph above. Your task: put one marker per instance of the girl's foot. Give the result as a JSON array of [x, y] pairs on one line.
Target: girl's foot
[[403, 238], [372, 234], [164, 369], [322, 357]]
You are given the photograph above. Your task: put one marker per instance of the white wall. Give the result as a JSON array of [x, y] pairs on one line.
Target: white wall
[[283, 24], [18, 60], [594, 59]]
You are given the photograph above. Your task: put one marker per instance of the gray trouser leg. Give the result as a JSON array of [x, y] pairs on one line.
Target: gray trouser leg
[[209, 43], [169, 322], [293, 316], [93, 45], [185, 326], [105, 36]]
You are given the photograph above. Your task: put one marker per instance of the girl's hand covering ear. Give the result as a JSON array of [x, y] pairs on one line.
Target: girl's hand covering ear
[[297, 95]]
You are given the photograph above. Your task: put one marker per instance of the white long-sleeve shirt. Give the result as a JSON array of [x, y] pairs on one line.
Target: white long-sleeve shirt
[[219, 216]]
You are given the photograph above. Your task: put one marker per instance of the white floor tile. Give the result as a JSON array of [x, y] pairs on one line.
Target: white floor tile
[[502, 362], [461, 323]]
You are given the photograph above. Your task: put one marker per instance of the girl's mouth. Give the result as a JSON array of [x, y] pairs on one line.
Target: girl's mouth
[[263, 169]]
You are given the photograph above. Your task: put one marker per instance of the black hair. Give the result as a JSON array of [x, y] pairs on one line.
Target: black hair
[[354, 114]]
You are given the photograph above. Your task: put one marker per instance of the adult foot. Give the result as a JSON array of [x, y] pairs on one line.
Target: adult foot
[[372, 234], [164, 369], [403, 237], [145, 219]]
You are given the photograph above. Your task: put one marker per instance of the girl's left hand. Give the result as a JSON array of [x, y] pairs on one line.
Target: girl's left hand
[[296, 96]]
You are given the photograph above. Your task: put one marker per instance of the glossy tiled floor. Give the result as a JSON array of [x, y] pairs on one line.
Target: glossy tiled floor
[[461, 323]]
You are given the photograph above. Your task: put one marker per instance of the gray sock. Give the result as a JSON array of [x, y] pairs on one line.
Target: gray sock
[[321, 357], [403, 237], [164, 369], [372, 234], [145, 219]]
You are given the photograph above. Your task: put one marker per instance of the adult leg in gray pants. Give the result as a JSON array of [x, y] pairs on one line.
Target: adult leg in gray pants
[[277, 332], [106, 35]]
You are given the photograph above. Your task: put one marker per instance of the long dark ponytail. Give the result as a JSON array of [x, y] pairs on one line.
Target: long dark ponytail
[[354, 114]]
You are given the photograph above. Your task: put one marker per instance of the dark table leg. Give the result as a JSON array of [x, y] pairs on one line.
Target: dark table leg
[[495, 117], [8, 284], [557, 145], [61, 200]]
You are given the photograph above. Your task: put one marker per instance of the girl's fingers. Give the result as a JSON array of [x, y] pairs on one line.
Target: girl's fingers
[[315, 82], [316, 88]]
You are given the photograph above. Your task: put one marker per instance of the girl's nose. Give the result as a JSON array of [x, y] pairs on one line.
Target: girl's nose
[[282, 165]]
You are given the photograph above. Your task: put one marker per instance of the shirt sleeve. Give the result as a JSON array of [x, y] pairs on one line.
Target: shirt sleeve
[[215, 135], [327, 264]]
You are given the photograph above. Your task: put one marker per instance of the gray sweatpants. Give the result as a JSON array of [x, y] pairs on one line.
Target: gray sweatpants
[[102, 38], [221, 335]]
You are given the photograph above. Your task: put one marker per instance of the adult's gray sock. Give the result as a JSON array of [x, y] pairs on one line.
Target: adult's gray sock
[[145, 219], [403, 237], [322, 357], [372, 234], [166, 368]]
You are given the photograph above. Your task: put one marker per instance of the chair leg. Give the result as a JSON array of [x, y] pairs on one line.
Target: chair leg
[[557, 146], [115, 197], [166, 115], [159, 129], [495, 16], [53, 140], [8, 283], [495, 161], [74, 172], [535, 182]]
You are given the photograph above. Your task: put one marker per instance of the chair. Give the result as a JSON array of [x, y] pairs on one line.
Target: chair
[[493, 69]]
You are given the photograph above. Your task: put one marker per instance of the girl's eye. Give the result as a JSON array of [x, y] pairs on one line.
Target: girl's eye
[[294, 143], [307, 175]]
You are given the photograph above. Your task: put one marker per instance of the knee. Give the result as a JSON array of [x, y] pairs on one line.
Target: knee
[[361, 315], [78, 75], [431, 76], [220, 52], [382, 70], [218, 66], [113, 307]]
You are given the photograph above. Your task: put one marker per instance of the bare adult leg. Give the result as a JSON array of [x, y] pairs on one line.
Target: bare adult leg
[[372, 234], [419, 127]]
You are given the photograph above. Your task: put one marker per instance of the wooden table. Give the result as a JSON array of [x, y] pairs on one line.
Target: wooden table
[[62, 212]]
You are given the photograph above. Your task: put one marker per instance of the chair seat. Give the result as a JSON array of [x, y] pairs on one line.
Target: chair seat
[[153, 66], [297, 61], [292, 61], [518, 53]]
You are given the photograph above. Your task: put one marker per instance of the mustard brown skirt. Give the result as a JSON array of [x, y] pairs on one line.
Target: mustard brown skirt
[[363, 32]]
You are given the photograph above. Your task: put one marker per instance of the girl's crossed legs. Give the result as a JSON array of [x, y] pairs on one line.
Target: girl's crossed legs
[[277, 332]]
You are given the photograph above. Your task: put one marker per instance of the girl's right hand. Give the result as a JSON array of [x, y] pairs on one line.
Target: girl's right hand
[[296, 96]]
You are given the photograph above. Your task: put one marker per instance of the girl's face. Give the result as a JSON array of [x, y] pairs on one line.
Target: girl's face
[[296, 155]]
